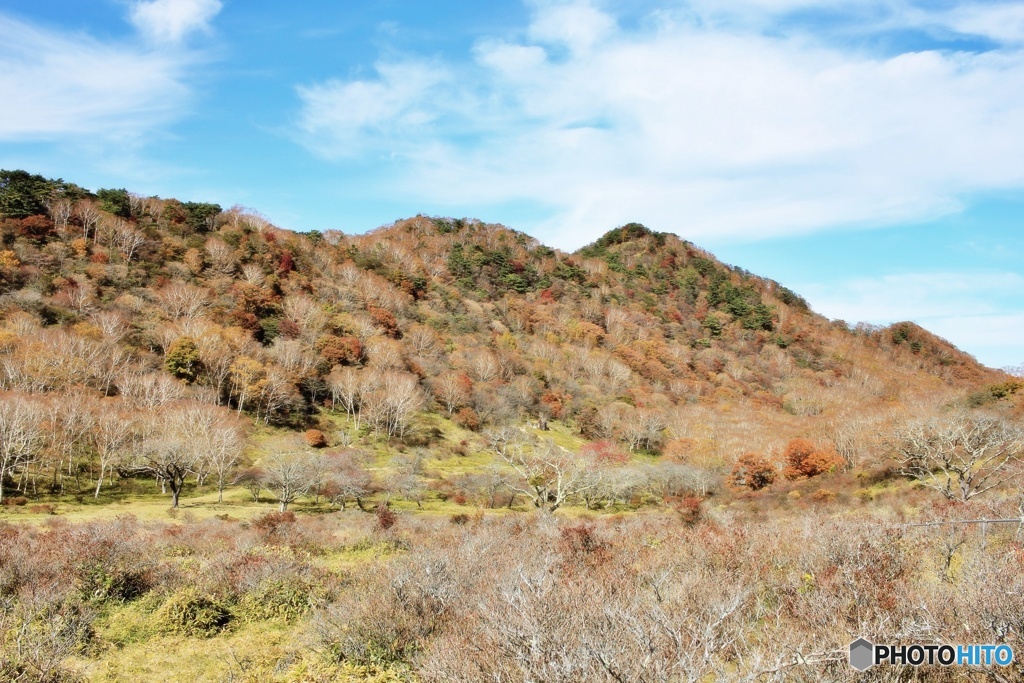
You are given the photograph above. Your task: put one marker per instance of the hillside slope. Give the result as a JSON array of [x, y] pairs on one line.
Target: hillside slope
[[640, 339]]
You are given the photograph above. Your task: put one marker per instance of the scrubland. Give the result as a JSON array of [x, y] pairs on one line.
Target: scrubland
[[753, 591]]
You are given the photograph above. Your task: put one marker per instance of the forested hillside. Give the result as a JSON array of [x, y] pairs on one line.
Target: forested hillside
[[146, 337]]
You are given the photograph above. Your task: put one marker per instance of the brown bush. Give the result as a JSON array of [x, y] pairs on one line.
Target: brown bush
[[386, 518], [752, 471], [315, 438], [467, 418]]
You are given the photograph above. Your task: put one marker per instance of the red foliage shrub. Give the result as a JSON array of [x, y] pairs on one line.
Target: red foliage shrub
[[805, 460], [35, 227], [386, 320], [605, 453], [752, 471], [556, 402], [690, 510], [288, 328], [467, 418], [386, 518], [287, 263], [580, 544], [339, 350]]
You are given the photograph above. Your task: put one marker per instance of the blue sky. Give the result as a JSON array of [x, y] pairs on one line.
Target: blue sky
[[867, 153]]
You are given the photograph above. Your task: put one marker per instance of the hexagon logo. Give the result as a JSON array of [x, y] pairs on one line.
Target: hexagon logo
[[862, 654]]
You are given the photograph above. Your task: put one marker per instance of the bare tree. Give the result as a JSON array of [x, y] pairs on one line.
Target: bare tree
[[126, 239], [111, 434], [61, 209], [21, 433], [182, 300], [452, 389], [89, 213], [170, 448], [345, 385], [391, 405], [223, 443], [347, 479], [961, 456], [548, 474], [287, 476]]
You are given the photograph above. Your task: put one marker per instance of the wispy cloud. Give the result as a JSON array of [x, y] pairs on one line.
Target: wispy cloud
[[348, 118], [170, 21], [60, 85], [695, 121]]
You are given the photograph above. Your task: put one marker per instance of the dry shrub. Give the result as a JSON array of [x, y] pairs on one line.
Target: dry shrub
[[386, 518], [191, 612], [273, 524]]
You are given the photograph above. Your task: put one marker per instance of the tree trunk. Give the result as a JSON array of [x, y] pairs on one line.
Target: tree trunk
[[284, 505]]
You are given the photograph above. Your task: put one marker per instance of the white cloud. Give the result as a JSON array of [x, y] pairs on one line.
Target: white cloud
[[688, 127], [577, 25], [337, 115], [977, 312], [170, 21], [915, 296], [61, 85]]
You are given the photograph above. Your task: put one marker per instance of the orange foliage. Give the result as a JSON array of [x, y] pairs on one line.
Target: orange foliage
[[804, 460], [752, 471]]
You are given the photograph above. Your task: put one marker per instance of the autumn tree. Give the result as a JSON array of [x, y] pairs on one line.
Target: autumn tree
[[752, 471], [183, 360], [804, 460]]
